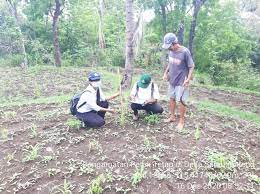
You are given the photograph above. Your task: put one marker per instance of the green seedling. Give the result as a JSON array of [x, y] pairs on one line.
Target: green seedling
[[9, 115], [255, 179], [85, 169], [47, 159], [73, 124], [222, 161], [138, 175], [32, 153], [9, 157], [64, 189], [152, 119], [4, 134], [197, 133], [148, 144], [95, 146], [33, 131], [95, 186], [37, 91], [53, 171]]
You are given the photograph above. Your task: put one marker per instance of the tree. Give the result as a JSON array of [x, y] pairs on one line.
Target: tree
[[196, 6], [13, 7], [101, 37], [55, 21], [129, 50]]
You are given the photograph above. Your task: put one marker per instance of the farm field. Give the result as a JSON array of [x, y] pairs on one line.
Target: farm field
[[43, 149]]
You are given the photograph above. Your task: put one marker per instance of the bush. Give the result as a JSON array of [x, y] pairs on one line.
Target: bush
[[11, 60], [234, 74]]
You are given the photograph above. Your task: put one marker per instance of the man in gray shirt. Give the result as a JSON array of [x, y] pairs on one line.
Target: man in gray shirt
[[178, 73]]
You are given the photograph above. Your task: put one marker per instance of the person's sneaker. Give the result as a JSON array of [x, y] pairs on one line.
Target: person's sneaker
[[135, 117]]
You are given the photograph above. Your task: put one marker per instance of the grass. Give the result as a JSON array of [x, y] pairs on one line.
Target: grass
[[224, 110], [229, 89], [43, 100]]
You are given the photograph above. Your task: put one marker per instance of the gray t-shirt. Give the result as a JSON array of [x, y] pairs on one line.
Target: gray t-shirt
[[179, 61]]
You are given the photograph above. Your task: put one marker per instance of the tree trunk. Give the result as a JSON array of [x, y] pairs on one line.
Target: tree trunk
[[164, 26], [181, 26], [181, 33], [197, 5], [101, 37], [57, 13], [129, 61], [13, 7]]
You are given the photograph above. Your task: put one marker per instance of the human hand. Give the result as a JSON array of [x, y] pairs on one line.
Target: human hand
[[165, 77], [186, 82], [111, 110], [132, 98]]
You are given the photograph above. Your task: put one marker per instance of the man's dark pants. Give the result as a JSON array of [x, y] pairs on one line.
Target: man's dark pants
[[93, 118], [149, 108]]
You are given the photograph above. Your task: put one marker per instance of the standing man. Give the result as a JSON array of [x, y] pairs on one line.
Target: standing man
[[93, 105], [178, 73]]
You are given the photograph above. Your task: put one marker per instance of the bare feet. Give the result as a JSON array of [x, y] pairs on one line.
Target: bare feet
[[135, 117], [170, 119], [180, 125]]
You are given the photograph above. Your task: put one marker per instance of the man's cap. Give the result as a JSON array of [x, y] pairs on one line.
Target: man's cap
[[94, 76], [168, 40], [144, 81]]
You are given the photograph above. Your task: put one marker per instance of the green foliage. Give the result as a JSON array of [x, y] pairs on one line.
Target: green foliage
[[31, 153], [95, 186], [73, 124], [222, 161], [197, 133], [63, 189], [255, 178], [138, 175], [33, 131], [229, 111], [152, 119]]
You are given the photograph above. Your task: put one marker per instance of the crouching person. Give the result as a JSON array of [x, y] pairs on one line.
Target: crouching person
[[144, 96], [93, 105]]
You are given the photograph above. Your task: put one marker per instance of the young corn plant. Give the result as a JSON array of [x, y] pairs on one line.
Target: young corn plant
[[9, 115], [95, 186], [255, 178], [85, 169], [53, 171], [63, 189], [197, 133], [95, 146], [148, 144], [32, 153], [138, 175], [37, 91], [222, 161], [4, 134], [33, 131]]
